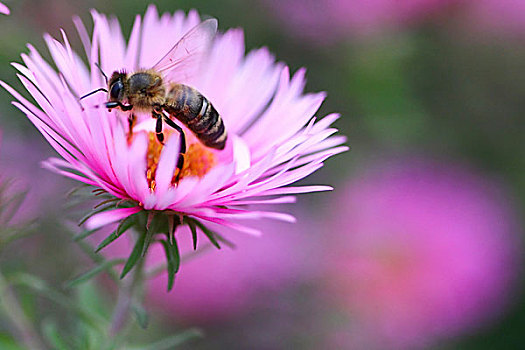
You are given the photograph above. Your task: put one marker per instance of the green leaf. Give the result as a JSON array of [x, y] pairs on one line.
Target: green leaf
[[107, 201], [151, 229], [8, 343], [76, 189], [172, 341], [173, 257], [113, 236], [11, 205], [214, 237], [84, 234], [10, 234], [50, 331], [224, 240], [193, 229], [172, 227], [210, 234], [135, 255], [141, 315], [93, 272], [170, 265], [88, 296], [40, 286], [98, 191], [122, 227]]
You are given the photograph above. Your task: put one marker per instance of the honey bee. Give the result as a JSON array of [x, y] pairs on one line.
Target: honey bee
[[157, 91]]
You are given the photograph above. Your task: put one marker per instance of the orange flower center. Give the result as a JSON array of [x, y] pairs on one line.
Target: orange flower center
[[198, 160]]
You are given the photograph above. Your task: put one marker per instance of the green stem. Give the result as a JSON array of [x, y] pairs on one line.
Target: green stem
[[22, 327], [130, 289]]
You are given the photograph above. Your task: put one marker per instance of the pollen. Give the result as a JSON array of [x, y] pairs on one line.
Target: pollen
[[198, 161]]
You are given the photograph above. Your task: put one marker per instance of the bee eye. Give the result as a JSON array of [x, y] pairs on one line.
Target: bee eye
[[116, 90]]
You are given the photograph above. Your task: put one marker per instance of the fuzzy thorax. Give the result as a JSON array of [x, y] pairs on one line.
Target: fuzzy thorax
[[142, 89]]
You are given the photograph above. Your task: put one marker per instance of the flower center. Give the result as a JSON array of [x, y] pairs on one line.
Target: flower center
[[198, 160]]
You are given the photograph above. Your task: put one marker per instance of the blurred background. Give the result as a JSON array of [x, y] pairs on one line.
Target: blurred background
[[420, 246]]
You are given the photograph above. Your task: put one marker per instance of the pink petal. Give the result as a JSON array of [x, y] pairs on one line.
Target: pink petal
[[166, 167], [4, 9], [109, 217], [296, 190]]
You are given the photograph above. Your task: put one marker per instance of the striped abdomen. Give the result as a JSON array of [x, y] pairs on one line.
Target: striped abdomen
[[197, 113]]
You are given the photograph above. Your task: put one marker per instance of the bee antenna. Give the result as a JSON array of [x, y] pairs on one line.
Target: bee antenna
[[101, 71], [93, 92]]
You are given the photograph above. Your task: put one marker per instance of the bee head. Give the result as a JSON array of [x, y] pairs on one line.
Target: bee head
[[116, 86]]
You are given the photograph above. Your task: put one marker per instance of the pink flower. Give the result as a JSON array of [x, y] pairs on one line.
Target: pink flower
[[325, 20], [20, 163], [4, 9], [273, 137], [425, 251], [500, 17]]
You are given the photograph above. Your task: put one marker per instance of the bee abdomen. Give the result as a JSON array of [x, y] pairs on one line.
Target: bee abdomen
[[198, 114]]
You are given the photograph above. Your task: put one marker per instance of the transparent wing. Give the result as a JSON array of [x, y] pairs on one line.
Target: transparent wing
[[182, 61]]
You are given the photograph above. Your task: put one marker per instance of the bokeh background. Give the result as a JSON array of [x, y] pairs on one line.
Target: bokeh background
[[420, 246]]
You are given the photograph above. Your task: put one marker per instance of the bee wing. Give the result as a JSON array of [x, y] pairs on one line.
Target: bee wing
[[182, 61]]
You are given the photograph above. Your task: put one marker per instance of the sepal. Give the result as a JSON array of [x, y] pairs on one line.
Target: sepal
[[173, 257], [124, 225]]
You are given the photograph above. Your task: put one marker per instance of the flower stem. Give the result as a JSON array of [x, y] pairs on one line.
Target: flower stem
[[22, 327], [126, 296], [130, 290]]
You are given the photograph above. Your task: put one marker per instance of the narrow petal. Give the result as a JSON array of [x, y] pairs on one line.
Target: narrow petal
[[296, 190], [109, 217], [4, 9], [168, 160]]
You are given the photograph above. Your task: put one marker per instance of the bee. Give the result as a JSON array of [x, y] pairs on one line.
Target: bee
[[158, 91]]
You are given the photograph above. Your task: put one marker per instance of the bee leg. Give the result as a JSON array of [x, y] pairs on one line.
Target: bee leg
[[114, 104], [181, 132], [158, 128], [182, 141], [131, 122], [180, 163]]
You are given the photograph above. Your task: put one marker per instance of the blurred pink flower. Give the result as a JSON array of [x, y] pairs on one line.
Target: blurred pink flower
[[499, 17], [326, 20], [217, 285], [425, 251], [4, 9], [273, 137], [20, 163]]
